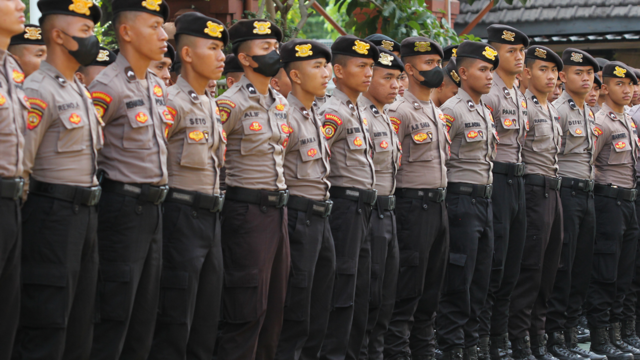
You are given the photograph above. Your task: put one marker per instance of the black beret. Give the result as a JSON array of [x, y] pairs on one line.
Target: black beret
[[196, 24], [449, 52], [82, 8], [602, 62], [419, 45], [596, 80], [176, 66], [353, 46], [32, 35], [105, 57], [637, 73], [389, 60], [154, 7], [479, 50], [302, 50], [619, 70], [252, 29], [576, 57], [537, 52], [452, 71], [384, 41], [170, 53], [231, 64], [504, 34]]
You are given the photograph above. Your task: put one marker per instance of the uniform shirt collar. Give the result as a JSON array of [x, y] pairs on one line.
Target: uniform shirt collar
[[534, 99], [252, 91], [123, 65], [469, 103], [565, 97], [3, 55], [608, 111], [414, 101], [294, 103], [184, 85], [54, 73], [365, 102]]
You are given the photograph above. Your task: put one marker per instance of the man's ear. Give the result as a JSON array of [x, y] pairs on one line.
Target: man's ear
[[462, 72], [338, 70], [125, 32], [80, 76], [295, 77], [274, 84], [604, 89], [230, 81], [244, 59], [185, 55], [563, 76]]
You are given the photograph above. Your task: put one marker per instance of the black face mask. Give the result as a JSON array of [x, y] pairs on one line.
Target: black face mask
[[88, 49], [432, 78], [268, 65]]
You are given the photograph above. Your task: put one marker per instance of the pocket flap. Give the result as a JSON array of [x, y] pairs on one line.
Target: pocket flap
[[422, 136], [604, 247], [543, 129], [255, 126], [383, 144], [115, 272], [310, 152], [576, 130], [457, 259], [139, 117], [409, 258], [299, 279], [621, 145], [175, 279], [73, 118], [241, 278], [44, 275], [473, 135], [346, 266], [356, 141]]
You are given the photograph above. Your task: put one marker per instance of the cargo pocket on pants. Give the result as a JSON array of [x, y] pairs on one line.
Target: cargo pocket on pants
[[115, 289], [409, 281], [605, 264], [296, 305], [45, 299], [455, 279], [174, 297], [375, 291], [241, 302], [344, 291]]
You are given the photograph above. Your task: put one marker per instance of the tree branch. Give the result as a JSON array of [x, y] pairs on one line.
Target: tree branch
[[304, 15], [271, 8], [261, 9]]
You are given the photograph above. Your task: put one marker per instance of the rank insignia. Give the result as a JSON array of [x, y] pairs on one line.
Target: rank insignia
[[213, 29], [75, 119], [157, 91], [613, 115], [312, 152], [449, 120], [193, 95], [357, 141], [422, 46], [32, 33], [572, 104], [578, 131], [305, 112], [597, 131], [103, 55], [286, 129], [523, 104], [506, 92], [472, 134], [471, 105], [385, 59], [255, 126], [361, 47], [81, 7], [619, 72], [420, 137], [196, 135], [489, 53], [384, 144], [577, 57], [142, 117], [508, 35], [262, 27], [387, 45], [395, 122], [252, 90], [280, 107], [18, 76], [508, 122], [153, 5], [303, 50], [620, 145], [535, 100], [3, 100]]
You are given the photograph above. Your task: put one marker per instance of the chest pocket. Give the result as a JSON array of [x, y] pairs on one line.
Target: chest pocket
[[620, 150], [6, 120], [73, 133], [472, 146], [256, 132], [543, 135], [576, 136], [309, 168], [356, 142], [197, 141], [422, 146], [138, 132]]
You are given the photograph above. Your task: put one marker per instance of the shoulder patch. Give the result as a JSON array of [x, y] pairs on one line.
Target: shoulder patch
[[38, 106], [334, 118], [489, 107], [101, 102], [173, 111], [449, 120], [395, 122], [157, 91], [226, 102], [597, 131], [18, 76]]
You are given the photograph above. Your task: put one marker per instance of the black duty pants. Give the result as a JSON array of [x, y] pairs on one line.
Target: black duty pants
[[574, 273], [10, 259], [59, 275], [308, 301], [509, 228], [423, 241], [468, 271], [130, 248], [190, 286], [255, 247]]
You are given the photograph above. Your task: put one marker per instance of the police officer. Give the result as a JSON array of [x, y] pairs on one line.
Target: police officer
[[255, 240], [509, 109], [384, 42], [601, 62], [450, 85], [422, 224], [232, 70], [616, 150], [592, 98], [192, 272], [473, 149], [449, 53], [352, 180], [86, 74], [62, 138], [132, 103], [575, 161], [543, 241], [29, 49], [13, 114], [382, 235], [306, 169], [162, 68]]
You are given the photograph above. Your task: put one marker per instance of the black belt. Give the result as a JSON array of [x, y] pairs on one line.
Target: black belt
[[76, 194], [435, 195], [578, 184], [483, 191], [615, 192], [386, 202], [319, 208], [368, 197], [539, 180], [11, 188], [142, 192], [196, 199], [276, 199], [508, 168]]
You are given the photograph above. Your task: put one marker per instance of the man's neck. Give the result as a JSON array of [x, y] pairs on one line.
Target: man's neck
[[600, 101], [4, 42], [435, 99], [197, 82], [541, 96], [475, 96], [62, 62], [508, 79], [421, 93], [375, 102], [577, 98], [305, 97], [139, 64], [260, 82], [351, 93], [615, 107]]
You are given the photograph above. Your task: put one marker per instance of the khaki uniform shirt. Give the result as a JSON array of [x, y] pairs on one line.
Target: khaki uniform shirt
[[136, 117], [306, 160], [635, 117], [196, 140], [543, 140], [616, 149], [576, 153], [348, 136], [595, 108], [13, 114], [64, 132], [258, 131], [426, 145], [511, 119], [473, 140], [386, 147]]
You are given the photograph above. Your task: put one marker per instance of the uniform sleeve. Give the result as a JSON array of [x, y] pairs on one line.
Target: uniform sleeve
[[103, 97], [38, 121], [176, 112], [492, 101], [603, 134], [332, 124], [450, 117], [563, 115], [229, 114], [399, 120]]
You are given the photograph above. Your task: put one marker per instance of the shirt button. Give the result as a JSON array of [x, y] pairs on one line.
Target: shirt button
[[425, 206]]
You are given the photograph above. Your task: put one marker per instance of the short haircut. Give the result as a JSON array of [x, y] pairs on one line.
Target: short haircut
[[528, 62], [340, 59], [464, 62], [240, 47], [122, 17]]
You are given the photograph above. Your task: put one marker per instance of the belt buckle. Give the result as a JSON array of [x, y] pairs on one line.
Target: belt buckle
[[283, 198], [94, 197], [218, 203], [164, 190], [327, 208], [19, 188], [488, 191]]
